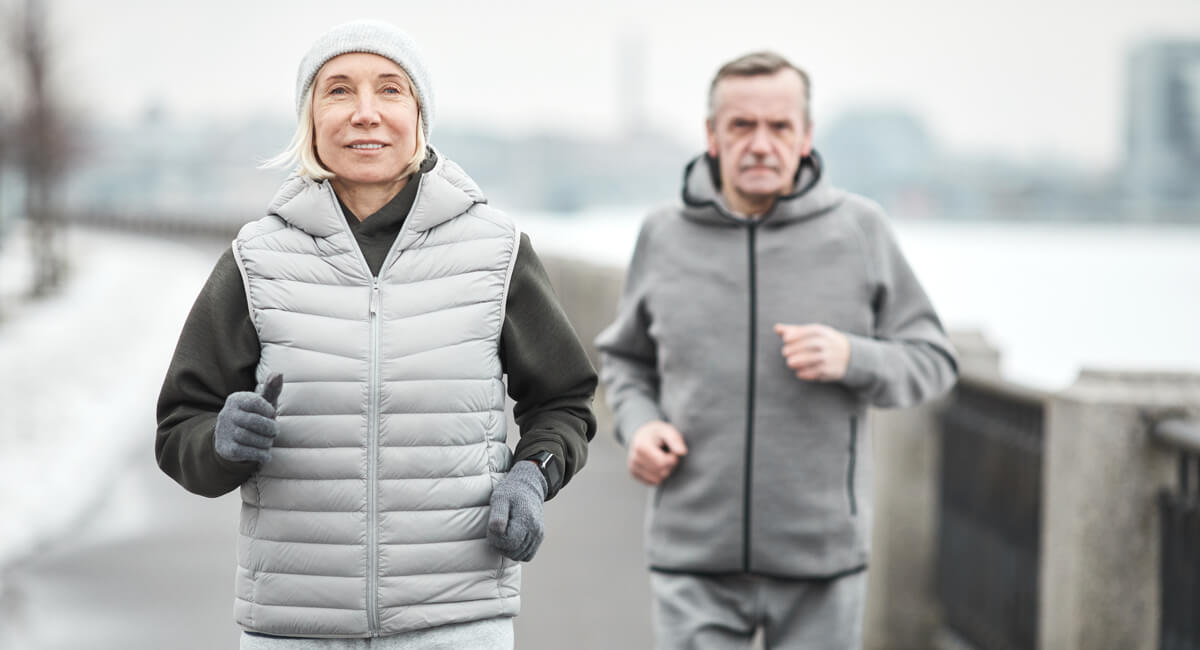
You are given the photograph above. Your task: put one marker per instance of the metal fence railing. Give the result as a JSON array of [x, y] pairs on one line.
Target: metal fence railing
[[1179, 627], [989, 524]]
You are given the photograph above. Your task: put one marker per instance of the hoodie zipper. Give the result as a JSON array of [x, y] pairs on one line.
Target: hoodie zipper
[[751, 230], [850, 465]]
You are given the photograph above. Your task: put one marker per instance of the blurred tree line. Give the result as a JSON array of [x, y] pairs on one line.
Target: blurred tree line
[[37, 139]]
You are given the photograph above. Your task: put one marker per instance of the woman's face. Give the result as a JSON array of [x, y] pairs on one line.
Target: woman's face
[[365, 118]]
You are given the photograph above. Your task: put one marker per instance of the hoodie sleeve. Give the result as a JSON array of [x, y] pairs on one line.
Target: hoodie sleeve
[[549, 375], [216, 355], [909, 359], [628, 354]]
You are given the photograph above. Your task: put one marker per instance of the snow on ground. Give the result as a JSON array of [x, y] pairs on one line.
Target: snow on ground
[[16, 269], [80, 372]]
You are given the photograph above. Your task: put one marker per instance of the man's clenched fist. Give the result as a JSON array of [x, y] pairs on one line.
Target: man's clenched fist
[[654, 451], [815, 352]]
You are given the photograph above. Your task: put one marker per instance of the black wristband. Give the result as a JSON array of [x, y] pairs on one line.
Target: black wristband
[[545, 462]]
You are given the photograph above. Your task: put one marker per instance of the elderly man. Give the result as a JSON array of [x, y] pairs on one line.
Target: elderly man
[[759, 321]]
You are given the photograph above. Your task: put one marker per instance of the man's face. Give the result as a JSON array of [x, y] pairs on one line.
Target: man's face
[[759, 133]]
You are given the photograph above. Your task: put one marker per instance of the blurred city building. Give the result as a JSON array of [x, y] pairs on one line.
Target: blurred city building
[[1163, 139]]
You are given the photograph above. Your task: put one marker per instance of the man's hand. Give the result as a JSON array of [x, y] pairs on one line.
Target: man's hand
[[246, 426], [655, 451], [515, 526], [815, 352]]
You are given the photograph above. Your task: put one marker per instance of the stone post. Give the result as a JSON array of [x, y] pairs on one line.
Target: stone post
[[1100, 522]]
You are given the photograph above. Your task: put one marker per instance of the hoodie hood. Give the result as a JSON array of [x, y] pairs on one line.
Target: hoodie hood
[[443, 193], [812, 195]]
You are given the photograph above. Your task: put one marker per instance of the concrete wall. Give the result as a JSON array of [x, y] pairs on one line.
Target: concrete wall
[[588, 292]]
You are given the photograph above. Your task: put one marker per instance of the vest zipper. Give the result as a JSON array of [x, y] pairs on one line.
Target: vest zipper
[[751, 228], [373, 469]]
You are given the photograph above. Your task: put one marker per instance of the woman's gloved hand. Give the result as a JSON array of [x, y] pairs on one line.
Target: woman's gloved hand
[[515, 526], [246, 426]]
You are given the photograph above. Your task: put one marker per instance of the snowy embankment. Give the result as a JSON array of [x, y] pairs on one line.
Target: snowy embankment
[[80, 372]]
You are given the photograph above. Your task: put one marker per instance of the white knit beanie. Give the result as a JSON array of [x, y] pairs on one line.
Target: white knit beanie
[[373, 37]]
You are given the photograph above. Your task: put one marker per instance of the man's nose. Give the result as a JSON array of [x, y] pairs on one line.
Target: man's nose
[[760, 141]]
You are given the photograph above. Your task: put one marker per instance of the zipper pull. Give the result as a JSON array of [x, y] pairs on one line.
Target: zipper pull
[[374, 298]]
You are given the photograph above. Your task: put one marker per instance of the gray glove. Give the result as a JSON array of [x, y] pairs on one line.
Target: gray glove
[[246, 426], [515, 526]]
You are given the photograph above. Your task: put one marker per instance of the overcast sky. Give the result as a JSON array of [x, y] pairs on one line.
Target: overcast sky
[[1021, 78]]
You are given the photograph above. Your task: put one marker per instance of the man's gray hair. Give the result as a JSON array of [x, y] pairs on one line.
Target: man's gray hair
[[752, 65]]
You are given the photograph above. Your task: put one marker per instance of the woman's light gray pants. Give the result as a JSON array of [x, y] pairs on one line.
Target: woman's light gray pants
[[490, 634], [724, 612]]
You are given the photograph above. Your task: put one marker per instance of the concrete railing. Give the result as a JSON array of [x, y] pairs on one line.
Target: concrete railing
[[1180, 517], [1104, 471], [1101, 562]]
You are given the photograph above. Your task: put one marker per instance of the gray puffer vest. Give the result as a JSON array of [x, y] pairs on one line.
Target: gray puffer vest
[[370, 519]]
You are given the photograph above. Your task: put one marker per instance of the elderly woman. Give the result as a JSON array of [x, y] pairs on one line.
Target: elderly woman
[[343, 365]]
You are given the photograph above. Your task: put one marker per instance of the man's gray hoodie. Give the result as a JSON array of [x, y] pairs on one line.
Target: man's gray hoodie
[[776, 479]]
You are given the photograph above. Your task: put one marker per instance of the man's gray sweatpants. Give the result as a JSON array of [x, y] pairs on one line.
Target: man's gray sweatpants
[[695, 612]]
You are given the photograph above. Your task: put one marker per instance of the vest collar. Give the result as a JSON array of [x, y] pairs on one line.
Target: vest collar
[[443, 193]]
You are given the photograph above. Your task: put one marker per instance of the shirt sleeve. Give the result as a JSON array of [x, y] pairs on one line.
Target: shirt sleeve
[[909, 358], [217, 354], [549, 375], [628, 355]]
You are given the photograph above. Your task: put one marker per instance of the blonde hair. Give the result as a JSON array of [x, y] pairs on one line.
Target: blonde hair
[[301, 152]]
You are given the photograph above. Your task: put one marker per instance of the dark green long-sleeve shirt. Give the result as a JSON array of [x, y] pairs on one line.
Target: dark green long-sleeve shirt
[[549, 375]]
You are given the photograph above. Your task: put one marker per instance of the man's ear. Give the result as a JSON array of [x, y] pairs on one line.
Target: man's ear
[[711, 136], [806, 148]]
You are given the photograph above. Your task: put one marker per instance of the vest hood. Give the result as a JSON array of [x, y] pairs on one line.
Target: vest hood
[[445, 192]]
